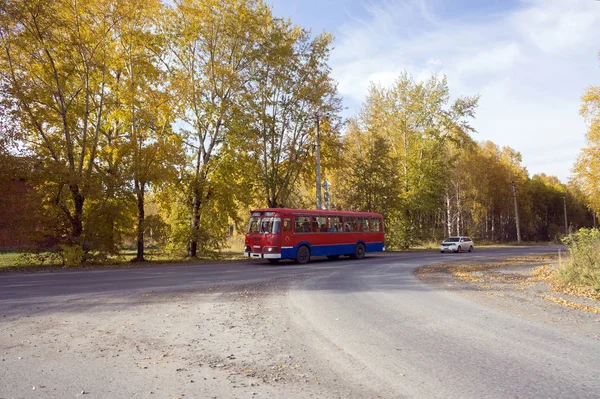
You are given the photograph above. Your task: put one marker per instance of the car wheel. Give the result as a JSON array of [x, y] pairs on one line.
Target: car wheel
[[471, 248], [274, 261], [303, 255], [359, 251]]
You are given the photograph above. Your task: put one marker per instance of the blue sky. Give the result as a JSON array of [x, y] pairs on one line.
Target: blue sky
[[530, 60]]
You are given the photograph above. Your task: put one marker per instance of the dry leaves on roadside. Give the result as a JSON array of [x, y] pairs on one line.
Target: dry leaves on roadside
[[547, 273]]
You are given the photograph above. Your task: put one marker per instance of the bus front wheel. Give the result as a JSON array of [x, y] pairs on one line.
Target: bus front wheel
[[303, 255], [359, 251]]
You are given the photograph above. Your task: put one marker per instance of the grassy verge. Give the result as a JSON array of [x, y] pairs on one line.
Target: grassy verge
[[560, 280], [17, 261]]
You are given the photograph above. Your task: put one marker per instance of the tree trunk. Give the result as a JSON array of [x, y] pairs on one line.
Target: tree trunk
[[486, 225], [77, 219], [458, 211], [448, 215], [140, 192], [493, 228], [193, 245]]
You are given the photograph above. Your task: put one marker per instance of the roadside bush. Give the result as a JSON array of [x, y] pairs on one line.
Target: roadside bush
[[400, 234], [72, 255], [583, 267], [39, 257]]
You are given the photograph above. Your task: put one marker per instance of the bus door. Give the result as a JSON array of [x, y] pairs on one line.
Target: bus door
[[285, 235]]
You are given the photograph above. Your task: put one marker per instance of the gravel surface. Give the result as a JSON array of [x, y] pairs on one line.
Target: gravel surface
[[223, 342]]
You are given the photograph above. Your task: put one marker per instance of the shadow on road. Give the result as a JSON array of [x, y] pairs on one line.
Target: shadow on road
[[23, 293]]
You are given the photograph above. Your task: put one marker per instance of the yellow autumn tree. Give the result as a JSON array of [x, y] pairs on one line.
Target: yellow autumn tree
[[56, 58], [213, 50], [587, 168]]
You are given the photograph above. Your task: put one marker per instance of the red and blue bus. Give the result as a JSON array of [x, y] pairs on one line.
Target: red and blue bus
[[299, 234]]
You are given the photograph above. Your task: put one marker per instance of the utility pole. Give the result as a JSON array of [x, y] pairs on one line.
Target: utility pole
[[318, 149], [327, 196], [566, 225], [514, 190]]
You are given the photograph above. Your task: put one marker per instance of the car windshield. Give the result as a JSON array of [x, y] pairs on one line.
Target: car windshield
[[452, 239], [264, 225]]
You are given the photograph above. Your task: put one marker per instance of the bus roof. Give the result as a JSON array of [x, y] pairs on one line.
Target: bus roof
[[317, 212]]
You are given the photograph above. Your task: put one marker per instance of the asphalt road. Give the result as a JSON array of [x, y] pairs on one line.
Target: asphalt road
[[24, 287], [373, 322]]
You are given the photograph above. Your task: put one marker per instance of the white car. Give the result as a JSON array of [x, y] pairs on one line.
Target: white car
[[456, 244]]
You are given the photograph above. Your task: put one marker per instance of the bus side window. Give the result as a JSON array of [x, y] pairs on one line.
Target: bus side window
[[350, 224], [333, 223], [321, 223], [347, 222], [363, 224], [287, 225], [375, 225], [306, 225], [315, 226], [301, 224]]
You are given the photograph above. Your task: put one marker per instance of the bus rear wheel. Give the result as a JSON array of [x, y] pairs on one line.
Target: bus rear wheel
[[359, 251], [303, 255]]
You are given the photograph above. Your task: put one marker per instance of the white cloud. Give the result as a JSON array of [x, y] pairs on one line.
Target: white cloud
[[559, 26], [501, 57], [530, 64]]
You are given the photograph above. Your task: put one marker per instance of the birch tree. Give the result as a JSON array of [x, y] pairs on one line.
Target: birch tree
[[293, 92], [213, 47]]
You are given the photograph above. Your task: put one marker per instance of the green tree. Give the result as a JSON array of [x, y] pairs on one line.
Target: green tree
[[368, 181], [424, 132]]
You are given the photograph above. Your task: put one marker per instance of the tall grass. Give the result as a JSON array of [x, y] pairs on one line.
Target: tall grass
[[234, 245], [583, 267]]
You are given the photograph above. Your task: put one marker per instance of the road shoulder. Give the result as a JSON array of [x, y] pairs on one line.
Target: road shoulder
[[518, 285]]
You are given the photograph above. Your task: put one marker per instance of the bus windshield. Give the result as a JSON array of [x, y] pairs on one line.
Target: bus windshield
[[266, 225]]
